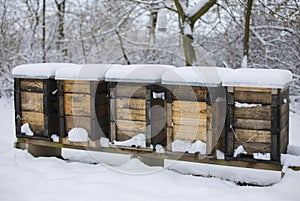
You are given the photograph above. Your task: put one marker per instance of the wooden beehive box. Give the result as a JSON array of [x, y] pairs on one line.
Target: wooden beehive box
[[36, 98], [195, 107], [258, 111], [83, 100], [134, 108]]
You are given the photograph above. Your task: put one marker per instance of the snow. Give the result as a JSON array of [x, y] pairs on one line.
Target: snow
[[23, 177], [159, 149], [262, 156], [194, 76], [40, 70], [193, 10], [190, 147], [263, 78], [104, 142], [26, 129], [245, 62], [150, 73], [293, 150], [54, 138], [187, 29], [241, 105], [239, 150], [158, 95], [92, 72], [220, 155], [78, 135], [139, 141]]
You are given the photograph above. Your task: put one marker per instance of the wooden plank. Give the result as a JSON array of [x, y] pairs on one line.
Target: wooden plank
[[102, 110], [189, 93], [189, 106], [189, 121], [31, 85], [130, 90], [252, 97], [32, 102], [255, 147], [253, 89], [77, 104], [258, 113], [191, 133], [35, 121], [253, 135], [17, 106], [133, 126], [76, 86], [131, 114], [252, 124], [125, 135], [78, 122], [131, 103], [169, 114]]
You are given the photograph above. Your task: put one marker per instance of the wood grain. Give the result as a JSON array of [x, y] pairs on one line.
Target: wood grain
[[78, 122], [252, 97], [252, 124], [76, 86], [131, 114], [127, 90], [253, 135], [77, 104], [131, 103], [31, 85], [32, 102], [191, 133], [258, 113], [35, 120], [133, 126], [189, 93]]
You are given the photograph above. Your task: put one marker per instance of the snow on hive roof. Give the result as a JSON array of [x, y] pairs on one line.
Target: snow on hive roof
[[263, 78], [39, 70], [150, 73], [83, 72], [195, 76]]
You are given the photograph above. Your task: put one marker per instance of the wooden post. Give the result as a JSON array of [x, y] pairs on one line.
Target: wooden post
[[169, 115], [61, 112], [17, 100], [94, 135], [47, 101], [209, 124], [230, 122], [275, 125], [112, 113], [149, 98]]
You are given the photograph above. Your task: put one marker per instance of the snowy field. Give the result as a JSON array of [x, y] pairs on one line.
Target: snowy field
[[23, 177]]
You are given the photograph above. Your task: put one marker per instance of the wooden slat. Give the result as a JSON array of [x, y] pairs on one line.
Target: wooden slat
[[31, 85], [77, 104], [189, 106], [189, 93], [253, 135], [189, 121], [258, 113], [76, 86], [131, 114], [131, 103], [255, 147], [125, 135], [32, 102], [252, 124], [127, 90], [251, 89], [252, 97], [133, 126], [191, 133], [35, 120], [78, 122]]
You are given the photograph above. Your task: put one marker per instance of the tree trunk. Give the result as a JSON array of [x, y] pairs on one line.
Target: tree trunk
[[188, 48], [247, 33], [61, 7], [44, 32]]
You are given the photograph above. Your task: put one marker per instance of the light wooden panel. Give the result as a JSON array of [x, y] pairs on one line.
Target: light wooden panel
[[189, 93], [191, 133], [189, 106], [131, 114], [77, 104], [133, 126], [252, 124], [131, 103], [259, 112], [31, 85], [78, 122], [76, 86], [35, 121], [127, 90], [252, 97], [253, 135], [32, 102]]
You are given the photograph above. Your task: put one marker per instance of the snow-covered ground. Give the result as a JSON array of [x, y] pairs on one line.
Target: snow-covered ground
[[23, 177]]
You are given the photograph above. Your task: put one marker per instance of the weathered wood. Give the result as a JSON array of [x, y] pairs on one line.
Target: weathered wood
[[230, 115], [125, 135], [258, 113], [113, 131], [32, 102], [275, 126], [35, 121], [133, 126], [261, 136], [189, 93], [252, 124], [17, 104], [189, 121], [76, 86], [131, 103], [191, 133], [78, 122], [189, 107], [252, 97], [77, 104], [130, 90], [102, 110], [252, 147], [131, 114], [252, 89], [31, 85]]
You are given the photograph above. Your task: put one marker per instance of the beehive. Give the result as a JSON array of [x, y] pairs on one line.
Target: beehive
[[195, 106], [36, 98], [134, 108], [258, 111]]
